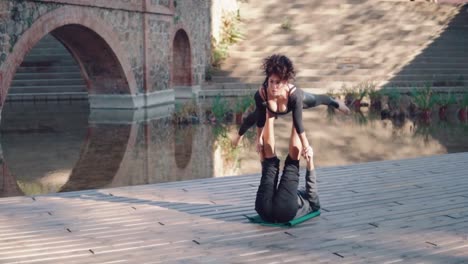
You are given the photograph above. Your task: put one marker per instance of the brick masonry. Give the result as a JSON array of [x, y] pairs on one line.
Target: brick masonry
[[124, 47]]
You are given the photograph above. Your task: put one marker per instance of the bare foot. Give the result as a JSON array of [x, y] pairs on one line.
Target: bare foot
[[342, 107]]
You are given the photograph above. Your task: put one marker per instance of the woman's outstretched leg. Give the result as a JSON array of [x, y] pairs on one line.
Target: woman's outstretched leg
[[248, 122]]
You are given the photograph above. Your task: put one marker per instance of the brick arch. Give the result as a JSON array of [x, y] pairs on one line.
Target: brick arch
[[98, 164], [109, 71], [183, 145], [9, 185], [181, 59]]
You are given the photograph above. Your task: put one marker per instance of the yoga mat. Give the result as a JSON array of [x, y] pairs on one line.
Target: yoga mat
[[258, 220]]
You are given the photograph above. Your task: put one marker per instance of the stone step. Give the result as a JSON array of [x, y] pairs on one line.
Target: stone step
[[422, 83], [423, 59], [56, 96], [48, 63], [417, 8], [355, 16], [339, 42], [46, 82], [48, 52], [333, 7], [454, 78], [255, 67], [47, 89], [350, 51], [49, 41], [334, 71], [47, 69], [52, 57], [315, 21], [338, 85], [351, 62], [47, 75], [348, 47], [447, 43], [429, 77]]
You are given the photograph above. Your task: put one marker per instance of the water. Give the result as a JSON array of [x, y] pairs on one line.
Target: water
[[57, 147]]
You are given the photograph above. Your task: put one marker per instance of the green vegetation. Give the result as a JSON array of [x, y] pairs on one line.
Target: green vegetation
[[230, 153], [186, 112], [219, 53], [208, 73], [464, 101], [354, 94], [230, 34], [375, 96], [243, 103], [444, 99], [230, 31], [394, 97], [423, 98], [286, 24], [333, 93], [219, 108]]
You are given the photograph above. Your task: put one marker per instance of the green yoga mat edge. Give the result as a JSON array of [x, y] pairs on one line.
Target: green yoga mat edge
[[258, 220]]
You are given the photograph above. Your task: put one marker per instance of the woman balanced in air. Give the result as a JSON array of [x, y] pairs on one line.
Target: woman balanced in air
[[277, 96]]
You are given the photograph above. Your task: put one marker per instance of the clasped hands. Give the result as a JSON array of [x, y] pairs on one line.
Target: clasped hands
[[307, 152]]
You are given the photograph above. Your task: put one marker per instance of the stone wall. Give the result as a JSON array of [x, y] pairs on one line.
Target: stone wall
[[194, 18], [15, 18]]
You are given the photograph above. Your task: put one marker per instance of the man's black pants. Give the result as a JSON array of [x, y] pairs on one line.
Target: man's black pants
[[280, 203]]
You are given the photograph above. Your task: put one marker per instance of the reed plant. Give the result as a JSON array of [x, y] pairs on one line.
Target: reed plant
[[423, 98]]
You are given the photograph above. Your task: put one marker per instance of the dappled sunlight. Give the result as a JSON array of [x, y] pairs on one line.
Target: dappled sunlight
[[384, 219], [343, 43], [51, 182]]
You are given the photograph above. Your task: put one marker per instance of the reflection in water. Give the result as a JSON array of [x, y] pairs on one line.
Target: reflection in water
[[101, 156], [41, 143], [183, 140], [54, 147], [363, 137]]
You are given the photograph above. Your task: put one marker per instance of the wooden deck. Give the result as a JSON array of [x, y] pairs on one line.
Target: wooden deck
[[408, 211]]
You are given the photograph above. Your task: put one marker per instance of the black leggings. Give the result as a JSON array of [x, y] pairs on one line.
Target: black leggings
[[280, 203]]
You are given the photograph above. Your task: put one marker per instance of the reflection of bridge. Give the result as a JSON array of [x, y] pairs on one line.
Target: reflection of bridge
[[8, 184], [131, 53], [135, 149]]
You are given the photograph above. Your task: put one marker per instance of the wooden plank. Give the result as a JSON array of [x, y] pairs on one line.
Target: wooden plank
[[390, 211]]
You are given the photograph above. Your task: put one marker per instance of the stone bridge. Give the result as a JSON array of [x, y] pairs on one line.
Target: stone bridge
[[131, 53]]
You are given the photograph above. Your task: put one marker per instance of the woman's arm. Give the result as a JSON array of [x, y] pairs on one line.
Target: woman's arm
[[297, 106], [260, 112]]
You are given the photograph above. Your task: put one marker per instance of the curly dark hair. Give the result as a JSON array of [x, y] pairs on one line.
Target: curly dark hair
[[279, 65]]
